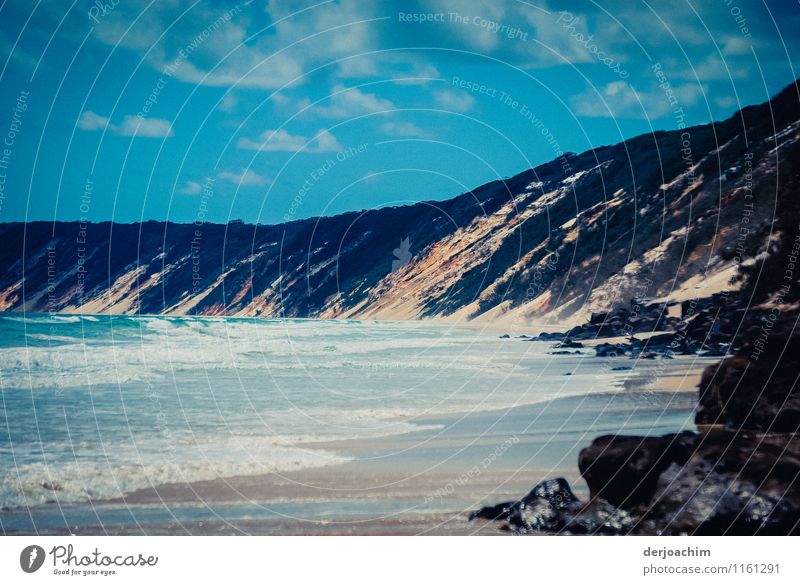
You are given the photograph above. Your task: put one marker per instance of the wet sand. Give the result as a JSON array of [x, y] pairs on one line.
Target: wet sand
[[423, 482]]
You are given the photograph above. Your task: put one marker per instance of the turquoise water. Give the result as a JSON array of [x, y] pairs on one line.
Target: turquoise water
[[95, 407]]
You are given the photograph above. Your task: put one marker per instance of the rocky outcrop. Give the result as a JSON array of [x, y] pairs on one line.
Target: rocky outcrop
[[552, 507], [739, 475], [642, 317], [719, 483], [748, 393], [733, 484], [625, 471], [705, 330]]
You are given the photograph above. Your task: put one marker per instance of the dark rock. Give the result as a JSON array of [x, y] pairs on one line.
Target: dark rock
[[611, 349], [496, 512], [663, 342], [568, 343], [553, 494], [545, 336], [546, 507], [552, 507], [715, 350], [505, 336], [601, 518], [624, 470], [705, 327], [583, 332], [760, 394], [598, 318], [621, 368], [732, 484], [556, 492]]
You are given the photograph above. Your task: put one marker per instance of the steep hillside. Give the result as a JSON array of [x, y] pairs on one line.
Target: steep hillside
[[667, 215]]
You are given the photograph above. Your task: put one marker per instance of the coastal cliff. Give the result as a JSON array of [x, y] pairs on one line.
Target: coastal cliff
[[667, 216]]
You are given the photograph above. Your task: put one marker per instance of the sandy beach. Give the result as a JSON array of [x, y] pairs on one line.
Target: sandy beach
[[422, 482]]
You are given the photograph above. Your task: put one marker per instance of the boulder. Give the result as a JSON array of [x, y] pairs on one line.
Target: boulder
[[598, 318], [624, 470], [732, 484], [755, 394], [552, 507], [611, 349], [545, 336], [662, 343], [539, 509]]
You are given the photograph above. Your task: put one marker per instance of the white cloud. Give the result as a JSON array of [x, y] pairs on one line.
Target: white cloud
[[353, 42], [618, 99], [418, 75], [146, 127], [228, 103], [214, 43], [348, 102], [736, 45], [204, 46], [274, 141], [712, 68], [90, 121], [358, 66], [244, 178], [403, 130], [281, 99], [326, 142], [388, 66], [191, 188], [282, 141], [454, 102], [131, 125], [464, 32], [221, 49]]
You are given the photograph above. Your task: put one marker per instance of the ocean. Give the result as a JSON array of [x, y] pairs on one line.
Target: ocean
[[97, 407]]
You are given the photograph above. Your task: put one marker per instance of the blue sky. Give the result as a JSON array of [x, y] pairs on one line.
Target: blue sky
[[270, 111]]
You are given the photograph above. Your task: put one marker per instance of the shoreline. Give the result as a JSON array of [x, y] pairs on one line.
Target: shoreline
[[421, 482]]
